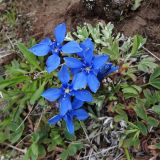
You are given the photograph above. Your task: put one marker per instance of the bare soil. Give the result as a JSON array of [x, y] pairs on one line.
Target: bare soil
[[37, 18], [145, 21]]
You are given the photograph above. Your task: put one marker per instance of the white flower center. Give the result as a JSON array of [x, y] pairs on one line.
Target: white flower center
[[67, 90]]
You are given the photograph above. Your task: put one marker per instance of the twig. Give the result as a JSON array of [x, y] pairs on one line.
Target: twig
[[12, 45], [39, 121], [25, 118], [151, 53], [23, 139], [15, 148], [106, 150]]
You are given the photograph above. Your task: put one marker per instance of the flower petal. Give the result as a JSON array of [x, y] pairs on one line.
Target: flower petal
[[42, 48], [87, 44], [84, 95], [63, 74], [77, 103], [54, 119], [105, 70], [71, 47], [79, 81], [46, 41], [65, 105], [73, 62], [75, 70], [113, 69], [60, 32], [88, 56], [80, 114], [52, 94], [93, 82], [52, 63], [99, 61], [69, 124]]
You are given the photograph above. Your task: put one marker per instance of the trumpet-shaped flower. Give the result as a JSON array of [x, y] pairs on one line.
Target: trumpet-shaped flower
[[65, 92], [55, 47], [87, 68], [74, 112]]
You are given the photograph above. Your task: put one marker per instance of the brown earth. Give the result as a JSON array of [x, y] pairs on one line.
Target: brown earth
[[41, 16], [145, 21]]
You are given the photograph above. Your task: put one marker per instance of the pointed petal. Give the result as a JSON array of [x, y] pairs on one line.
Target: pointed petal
[[77, 103], [75, 70], [65, 105], [80, 114], [73, 62], [105, 70], [60, 32], [84, 95], [63, 74], [113, 69], [46, 41], [71, 47], [87, 44], [42, 48], [88, 56], [69, 124], [79, 81], [52, 63], [99, 61], [93, 82], [52, 94], [54, 119]]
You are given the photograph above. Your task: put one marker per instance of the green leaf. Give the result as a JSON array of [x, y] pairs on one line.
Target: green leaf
[[72, 150], [142, 128], [140, 111], [147, 65], [156, 109], [30, 57], [64, 155], [9, 82], [37, 93], [3, 137], [155, 74], [34, 148], [136, 4], [129, 90], [138, 41], [155, 78], [41, 151], [152, 122], [157, 145]]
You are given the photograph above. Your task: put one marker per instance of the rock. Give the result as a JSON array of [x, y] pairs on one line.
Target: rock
[[110, 9]]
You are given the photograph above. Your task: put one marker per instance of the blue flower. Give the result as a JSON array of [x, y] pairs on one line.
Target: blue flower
[[87, 68], [55, 47], [86, 45], [65, 92], [106, 70], [74, 112]]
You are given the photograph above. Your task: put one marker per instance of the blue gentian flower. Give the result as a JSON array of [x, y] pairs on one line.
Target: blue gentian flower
[[65, 92], [86, 45], [86, 70], [106, 70], [74, 112], [55, 47]]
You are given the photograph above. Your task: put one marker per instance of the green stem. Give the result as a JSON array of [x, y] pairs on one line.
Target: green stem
[[127, 154], [144, 85]]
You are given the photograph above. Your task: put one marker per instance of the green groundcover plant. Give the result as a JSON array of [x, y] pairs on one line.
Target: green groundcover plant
[[71, 78]]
